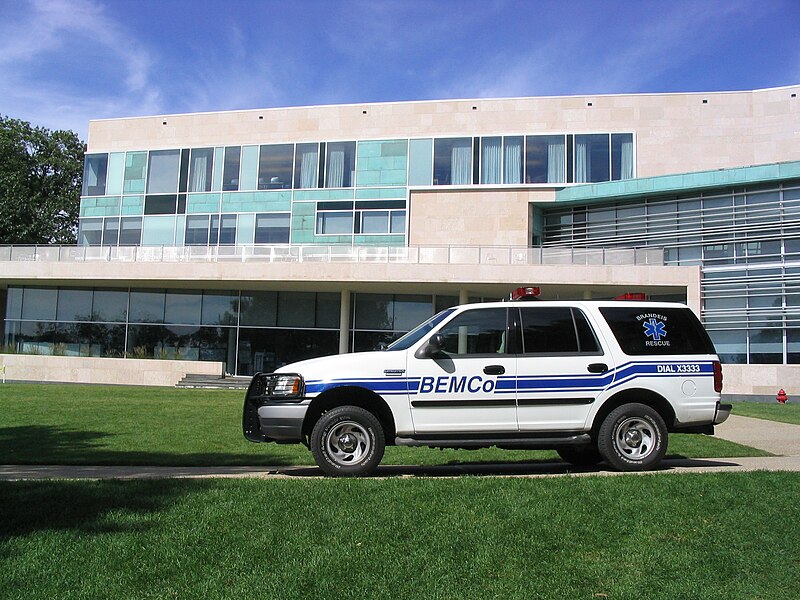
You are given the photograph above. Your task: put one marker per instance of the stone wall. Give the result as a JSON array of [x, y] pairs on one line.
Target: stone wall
[[120, 371]]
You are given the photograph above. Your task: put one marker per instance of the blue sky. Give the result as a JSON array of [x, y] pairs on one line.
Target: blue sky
[[63, 62]]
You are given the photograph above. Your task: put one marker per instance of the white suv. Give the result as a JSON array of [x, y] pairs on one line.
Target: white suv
[[594, 380]]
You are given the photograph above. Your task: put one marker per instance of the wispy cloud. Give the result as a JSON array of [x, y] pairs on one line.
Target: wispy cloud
[[42, 38]]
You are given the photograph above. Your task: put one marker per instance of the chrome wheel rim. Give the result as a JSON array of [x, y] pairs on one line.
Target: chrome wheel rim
[[635, 438], [348, 443]]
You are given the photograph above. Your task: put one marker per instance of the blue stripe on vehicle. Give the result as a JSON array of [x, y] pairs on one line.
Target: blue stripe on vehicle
[[509, 384]]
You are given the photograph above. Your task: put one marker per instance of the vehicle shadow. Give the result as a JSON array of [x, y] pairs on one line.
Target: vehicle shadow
[[494, 469]]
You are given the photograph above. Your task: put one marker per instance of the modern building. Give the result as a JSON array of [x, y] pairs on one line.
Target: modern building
[[260, 237]]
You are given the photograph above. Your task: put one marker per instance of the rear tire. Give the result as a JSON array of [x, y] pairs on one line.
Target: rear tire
[[348, 441], [581, 456], [633, 437]]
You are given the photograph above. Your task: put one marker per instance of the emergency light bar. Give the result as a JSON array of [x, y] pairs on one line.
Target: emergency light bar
[[526, 293], [632, 296]]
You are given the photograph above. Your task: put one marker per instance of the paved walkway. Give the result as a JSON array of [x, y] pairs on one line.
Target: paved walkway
[[778, 438]]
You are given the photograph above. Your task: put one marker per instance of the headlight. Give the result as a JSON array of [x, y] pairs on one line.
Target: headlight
[[286, 386]]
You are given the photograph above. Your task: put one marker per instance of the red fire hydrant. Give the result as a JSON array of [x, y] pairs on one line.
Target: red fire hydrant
[[781, 397]]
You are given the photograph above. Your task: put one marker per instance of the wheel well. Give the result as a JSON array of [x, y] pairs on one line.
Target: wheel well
[[648, 397], [351, 396]]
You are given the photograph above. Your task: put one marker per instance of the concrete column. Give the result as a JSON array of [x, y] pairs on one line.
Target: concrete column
[[463, 296], [344, 323]]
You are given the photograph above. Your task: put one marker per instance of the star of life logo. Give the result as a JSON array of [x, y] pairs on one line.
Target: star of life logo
[[657, 330]]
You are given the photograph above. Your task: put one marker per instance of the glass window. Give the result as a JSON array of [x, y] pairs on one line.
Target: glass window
[[160, 205], [491, 159], [640, 331], [201, 169], [793, 346], [480, 331], [219, 308], [374, 311], [259, 309], [328, 309], [135, 168], [512, 159], [272, 228], [183, 307], [452, 161], [374, 221], [548, 331], [264, 350], [74, 305], [410, 311], [766, 346], [340, 164], [146, 306], [296, 309], [335, 222], [130, 233], [111, 232], [95, 167], [14, 303], [621, 156], [398, 222], [275, 167], [591, 158], [110, 305], [196, 230], [39, 304], [306, 165], [162, 171], [90, 232], [230, 170], [545, 159], [227, 230]]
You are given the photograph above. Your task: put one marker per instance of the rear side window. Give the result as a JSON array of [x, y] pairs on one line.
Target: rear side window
[[643, 331], [556, 330]]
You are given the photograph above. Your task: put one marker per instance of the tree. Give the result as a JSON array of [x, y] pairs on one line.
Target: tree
[[40, 183]]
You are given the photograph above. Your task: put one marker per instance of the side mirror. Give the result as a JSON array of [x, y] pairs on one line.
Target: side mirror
[[432, 347]]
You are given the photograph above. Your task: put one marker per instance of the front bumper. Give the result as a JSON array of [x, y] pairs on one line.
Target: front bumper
[[267, 418]]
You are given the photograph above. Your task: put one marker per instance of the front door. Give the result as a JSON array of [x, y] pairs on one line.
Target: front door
[[469, 385]]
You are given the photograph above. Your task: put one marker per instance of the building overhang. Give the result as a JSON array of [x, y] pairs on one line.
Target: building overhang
[[681, 183]]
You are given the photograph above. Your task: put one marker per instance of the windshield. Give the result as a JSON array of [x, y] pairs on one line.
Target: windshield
[[419, 331]]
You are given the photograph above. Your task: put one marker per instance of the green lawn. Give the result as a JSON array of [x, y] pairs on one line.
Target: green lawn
[[111, 425], [785, 413], [703, 536]]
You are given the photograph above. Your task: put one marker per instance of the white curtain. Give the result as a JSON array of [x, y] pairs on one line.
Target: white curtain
[[626, 160], [199, 166], [491, 160], [308, 167], [556, 161], [461, 162], [334, 172], [512, 171], [583, 161]]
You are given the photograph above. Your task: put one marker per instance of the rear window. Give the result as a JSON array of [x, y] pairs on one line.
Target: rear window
[[648, 331]]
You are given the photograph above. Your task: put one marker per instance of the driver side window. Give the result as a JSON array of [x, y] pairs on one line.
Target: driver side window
[[480, 331]]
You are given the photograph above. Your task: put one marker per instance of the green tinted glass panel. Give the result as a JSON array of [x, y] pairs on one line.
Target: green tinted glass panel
[[135, 169], [116, 169], [158, 231], [249, 168], [420, 168]]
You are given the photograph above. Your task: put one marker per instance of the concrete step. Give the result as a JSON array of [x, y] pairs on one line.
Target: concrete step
[[194, 380]]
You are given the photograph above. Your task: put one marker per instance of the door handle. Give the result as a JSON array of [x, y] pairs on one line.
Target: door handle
[[597, 368], [494, 369]]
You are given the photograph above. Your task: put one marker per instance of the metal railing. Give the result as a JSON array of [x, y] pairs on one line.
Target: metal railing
[[435, 255]]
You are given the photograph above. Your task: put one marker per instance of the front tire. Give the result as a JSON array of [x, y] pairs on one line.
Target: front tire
[[633, 437], [348, 441]]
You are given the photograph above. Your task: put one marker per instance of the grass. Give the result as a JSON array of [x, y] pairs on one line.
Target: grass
[[112, 425], [703, 536], [772, 411]]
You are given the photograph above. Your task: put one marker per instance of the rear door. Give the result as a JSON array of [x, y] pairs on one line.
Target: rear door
[[562, 368]]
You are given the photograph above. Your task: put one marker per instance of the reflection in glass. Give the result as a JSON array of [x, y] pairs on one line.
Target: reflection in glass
[[275, 167]]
